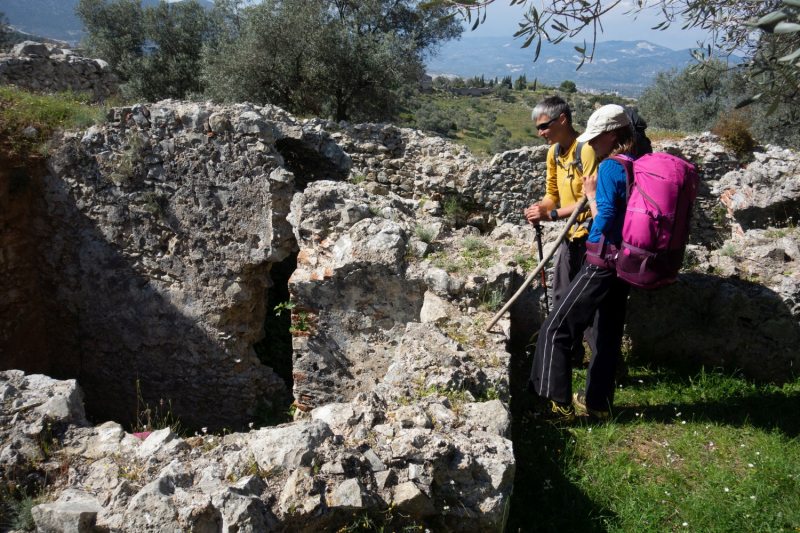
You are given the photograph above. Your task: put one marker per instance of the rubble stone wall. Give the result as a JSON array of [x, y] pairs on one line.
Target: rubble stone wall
[[159, 231], [39, 67]]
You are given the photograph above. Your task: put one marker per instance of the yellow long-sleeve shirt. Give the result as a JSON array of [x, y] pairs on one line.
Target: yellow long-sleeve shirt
[[564, 185]]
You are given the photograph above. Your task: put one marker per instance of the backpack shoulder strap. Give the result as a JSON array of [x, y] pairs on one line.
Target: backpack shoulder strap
[[578, 162], [627, 164]]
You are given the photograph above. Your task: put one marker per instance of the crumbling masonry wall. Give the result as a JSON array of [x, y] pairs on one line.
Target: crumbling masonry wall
[[39, 67]]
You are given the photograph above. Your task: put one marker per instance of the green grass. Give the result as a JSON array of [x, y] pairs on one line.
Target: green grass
[[678, 440], [45, 112]]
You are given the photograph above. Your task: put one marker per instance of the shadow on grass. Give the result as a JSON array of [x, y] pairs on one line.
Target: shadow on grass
[[544, 500], [717, 397]]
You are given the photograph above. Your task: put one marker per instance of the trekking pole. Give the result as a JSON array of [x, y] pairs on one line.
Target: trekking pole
[[538, 228], [578, 209]]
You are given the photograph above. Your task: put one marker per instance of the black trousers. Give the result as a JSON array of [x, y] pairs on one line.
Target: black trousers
[[594, 294], [566, 266]]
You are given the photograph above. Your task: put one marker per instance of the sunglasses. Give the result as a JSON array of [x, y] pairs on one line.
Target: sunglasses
[[544, 125]]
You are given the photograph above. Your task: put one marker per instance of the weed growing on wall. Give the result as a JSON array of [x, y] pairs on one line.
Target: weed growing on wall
[[131, 161]]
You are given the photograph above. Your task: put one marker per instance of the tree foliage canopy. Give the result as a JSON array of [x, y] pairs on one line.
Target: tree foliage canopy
[[342, 58], [155, 50], [693, 101]]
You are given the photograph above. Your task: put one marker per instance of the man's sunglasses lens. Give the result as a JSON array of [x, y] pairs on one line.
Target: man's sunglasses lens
[[544, 125]]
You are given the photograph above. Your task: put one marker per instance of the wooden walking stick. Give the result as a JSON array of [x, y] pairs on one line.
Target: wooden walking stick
[[578, 209]]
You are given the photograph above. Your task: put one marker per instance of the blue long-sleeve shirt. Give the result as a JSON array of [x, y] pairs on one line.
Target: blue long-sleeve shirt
[[611, 201]]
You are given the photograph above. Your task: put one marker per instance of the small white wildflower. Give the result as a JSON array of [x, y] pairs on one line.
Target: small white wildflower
[[727, 489], [751, 465], [641, 381], [684, 422], [251, 425], [204, 430], [752, 497], [758, 453], [667, 493], [685, 524]]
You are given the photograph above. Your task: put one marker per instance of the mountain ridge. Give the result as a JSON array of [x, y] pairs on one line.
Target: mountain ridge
[[625, 67]]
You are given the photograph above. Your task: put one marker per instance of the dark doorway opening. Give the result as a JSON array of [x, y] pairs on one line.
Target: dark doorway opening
[[308, 165], [275, 349]]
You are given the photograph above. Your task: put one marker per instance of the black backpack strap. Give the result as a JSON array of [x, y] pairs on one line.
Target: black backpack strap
[[578, 162]]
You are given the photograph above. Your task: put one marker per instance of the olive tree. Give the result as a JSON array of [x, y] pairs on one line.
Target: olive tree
[[342, 58], [155, 51]]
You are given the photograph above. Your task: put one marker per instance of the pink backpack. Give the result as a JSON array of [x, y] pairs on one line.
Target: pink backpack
[[661, 192]]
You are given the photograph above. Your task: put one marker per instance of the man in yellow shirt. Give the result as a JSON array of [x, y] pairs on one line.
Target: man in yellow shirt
[[553, 119]]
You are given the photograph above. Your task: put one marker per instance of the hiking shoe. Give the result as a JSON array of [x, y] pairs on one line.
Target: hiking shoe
[[558, 414], [579, 401], [538, 407]]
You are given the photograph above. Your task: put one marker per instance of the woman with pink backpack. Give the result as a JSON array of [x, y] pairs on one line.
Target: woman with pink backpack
[[596, 289]]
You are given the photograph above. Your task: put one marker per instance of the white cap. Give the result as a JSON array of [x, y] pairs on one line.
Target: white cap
[[607, 118]]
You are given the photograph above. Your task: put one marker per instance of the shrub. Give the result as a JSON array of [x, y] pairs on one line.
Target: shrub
[[729, 250], [424, 234], [473, 243], [734, 131]]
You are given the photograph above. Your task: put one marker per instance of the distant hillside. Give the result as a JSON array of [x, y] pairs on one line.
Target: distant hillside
[[55, 19], [623, 66]]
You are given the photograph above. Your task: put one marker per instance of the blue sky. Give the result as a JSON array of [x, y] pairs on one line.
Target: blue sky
[[502, 20]]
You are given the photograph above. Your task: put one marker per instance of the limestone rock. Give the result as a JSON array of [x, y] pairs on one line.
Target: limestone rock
[[287, 447], [436, 309], [350, 495], [152, 509], [492, 416], [72, 512], [410, 499]]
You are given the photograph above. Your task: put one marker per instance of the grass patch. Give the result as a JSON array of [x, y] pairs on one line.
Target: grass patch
[[704, 452], [729, 249], [15, 511], [659, 135], [424, 234], [22, 112]]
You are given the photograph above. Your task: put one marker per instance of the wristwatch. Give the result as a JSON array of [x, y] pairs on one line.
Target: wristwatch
[[554, 214]]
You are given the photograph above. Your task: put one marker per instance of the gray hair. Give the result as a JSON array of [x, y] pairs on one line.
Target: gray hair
[[552, 107]]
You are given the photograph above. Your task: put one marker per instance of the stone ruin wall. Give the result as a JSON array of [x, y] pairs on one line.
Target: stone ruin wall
[[737, 306], [47, 68]]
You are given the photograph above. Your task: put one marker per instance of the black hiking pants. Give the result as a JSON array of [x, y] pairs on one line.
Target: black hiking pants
[[593, 291], [566, 266]]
